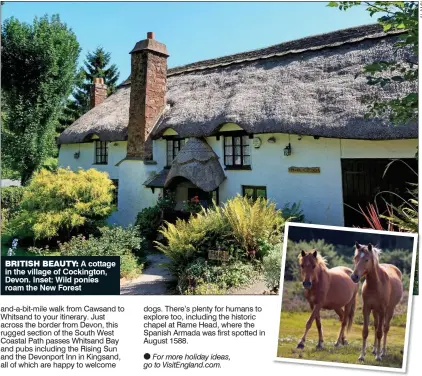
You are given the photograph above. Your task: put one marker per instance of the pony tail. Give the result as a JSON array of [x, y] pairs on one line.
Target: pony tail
[[352, 313]]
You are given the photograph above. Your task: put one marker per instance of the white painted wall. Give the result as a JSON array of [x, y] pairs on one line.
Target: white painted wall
[[116, 152], [133, 195], [320, 194]]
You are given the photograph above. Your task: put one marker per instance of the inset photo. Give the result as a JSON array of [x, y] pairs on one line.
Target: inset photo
[[346, 296]]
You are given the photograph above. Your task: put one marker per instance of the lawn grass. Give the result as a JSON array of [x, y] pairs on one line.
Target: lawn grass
[[292, 327]]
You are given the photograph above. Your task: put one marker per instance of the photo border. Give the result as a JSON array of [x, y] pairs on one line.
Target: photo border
[[409, 302]]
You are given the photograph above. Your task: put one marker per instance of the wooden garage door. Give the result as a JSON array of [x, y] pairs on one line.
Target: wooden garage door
[[363, 179]]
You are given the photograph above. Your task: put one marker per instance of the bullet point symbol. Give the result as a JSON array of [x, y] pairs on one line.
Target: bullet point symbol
[[147, 356]]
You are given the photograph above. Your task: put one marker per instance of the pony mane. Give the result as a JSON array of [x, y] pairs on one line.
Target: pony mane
[[320, 260], [376, 252]]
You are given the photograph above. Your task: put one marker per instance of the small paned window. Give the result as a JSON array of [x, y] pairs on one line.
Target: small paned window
[[237, 153], [173, 148], [101, 152], [253, 192]]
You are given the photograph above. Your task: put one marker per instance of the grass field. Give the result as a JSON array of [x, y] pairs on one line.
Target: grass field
[[292, 326]]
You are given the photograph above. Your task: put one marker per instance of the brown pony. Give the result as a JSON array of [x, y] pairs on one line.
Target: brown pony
[[327, 289], [381, 292]]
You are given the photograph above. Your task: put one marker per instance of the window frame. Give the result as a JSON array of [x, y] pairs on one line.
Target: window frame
[[115, 192], [242, 155], [174, 140], [255, 189], [102, 157]]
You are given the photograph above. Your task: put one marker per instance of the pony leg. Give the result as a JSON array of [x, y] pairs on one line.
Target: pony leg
[[381, 317], [366, 312], [320, 338], [341, 339], [314, 314], [376, 318], [340, 313], [388, 317]]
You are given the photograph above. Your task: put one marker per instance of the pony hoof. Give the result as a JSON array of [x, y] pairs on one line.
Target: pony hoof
[[337, 344], [320, 346], [345, 342], [300, 345], [378, 358], [374, 351], [361, 358]]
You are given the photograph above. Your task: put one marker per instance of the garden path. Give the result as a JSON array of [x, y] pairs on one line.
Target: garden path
[[154, 280], [257, 288]]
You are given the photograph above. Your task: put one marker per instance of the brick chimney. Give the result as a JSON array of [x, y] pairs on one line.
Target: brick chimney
[[98, 92], [147, 94]]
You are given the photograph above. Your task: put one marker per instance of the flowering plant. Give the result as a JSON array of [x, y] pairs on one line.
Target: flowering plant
[[11, 251], [193, 205], [167, 201]]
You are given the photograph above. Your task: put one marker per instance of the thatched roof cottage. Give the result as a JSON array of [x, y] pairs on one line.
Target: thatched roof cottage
[[285, 122]]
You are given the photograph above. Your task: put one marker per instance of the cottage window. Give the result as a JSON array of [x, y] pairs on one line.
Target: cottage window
[[237, 152], [101, 152], [253, 192], [173, 148], [115, 192]]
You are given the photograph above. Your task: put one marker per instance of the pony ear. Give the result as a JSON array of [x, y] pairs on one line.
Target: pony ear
[[369, 247], [303, 253], [357, 245], [315, 254]]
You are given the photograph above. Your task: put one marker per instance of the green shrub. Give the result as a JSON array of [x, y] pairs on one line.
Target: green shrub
[[148, 221], [271, 265], [224, 276], [293, 212], [206, 288], [63, 202], [398, 257], [114, 241], [246, 230], [250, 222], [167, 201], [11, 197], [186, 241], [4, 221]]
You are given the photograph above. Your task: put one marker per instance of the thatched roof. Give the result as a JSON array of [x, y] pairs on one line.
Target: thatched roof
[[108, 121], [158, 180], [307, 86], [199, 164]]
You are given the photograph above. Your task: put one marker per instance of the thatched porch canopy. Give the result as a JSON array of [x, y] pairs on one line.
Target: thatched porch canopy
[[197, 163], [310, 86], [158, 180]]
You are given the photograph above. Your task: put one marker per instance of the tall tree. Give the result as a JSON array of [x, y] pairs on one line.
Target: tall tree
[[96, 64], [402, 16], [39, 63]]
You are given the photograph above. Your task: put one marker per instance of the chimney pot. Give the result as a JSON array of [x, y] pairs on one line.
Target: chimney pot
[[98, 92], [147, 94]]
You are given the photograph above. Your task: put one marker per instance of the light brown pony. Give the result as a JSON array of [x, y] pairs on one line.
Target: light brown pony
[[327, 289], [381, 292]]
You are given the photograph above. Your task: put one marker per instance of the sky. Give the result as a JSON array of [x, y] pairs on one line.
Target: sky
[[192, 31]]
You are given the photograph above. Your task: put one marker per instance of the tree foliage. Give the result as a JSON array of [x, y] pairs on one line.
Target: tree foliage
[[393, 16], [39, 62], [57, 203], [96, 64]]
